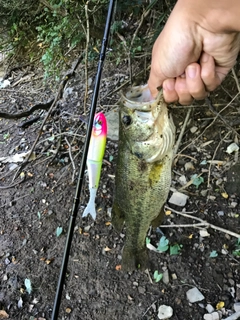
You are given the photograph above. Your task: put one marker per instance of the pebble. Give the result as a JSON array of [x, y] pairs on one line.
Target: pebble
[[193, 129], [141, 290], [220, 213], [165, 276], [165, 312], [189, 166], [209, 308], [211, 316], [236, 306], [178, 199], [194, 295]]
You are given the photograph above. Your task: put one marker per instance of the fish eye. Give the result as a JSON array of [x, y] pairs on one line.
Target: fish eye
[[127, 120]]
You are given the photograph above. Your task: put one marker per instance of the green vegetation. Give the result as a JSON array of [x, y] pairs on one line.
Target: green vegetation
[[57, 31]]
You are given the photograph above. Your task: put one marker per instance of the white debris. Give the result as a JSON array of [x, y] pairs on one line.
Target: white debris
[[178, 198], [165, 312], [232, 147], [193, 129], [4, 84], [209, 308], [182, 180], [18, 157], [204, 233], [194, 295], [189, 166], [212, 316]]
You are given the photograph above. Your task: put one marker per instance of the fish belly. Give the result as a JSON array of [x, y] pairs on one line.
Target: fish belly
[[141, 189]]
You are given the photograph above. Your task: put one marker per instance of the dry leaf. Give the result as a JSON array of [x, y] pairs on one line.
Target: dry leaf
[[30, 174], [48, 261], [224, 195], [168, 212], [3, 314], [108, 223], [68, 310], [220, 305], [118, 267], [190, 236], [107, 249]]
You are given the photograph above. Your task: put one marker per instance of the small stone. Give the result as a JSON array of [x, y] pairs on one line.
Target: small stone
[[207, 316], [209, 308], [233, 204], [189, 166], [236, 306], [178, 199], [182, 180], [141, 290], [194, 295], [174, 276], [165, 312], [193, 129], [215, 316], [220, 213], [165, 276], [5, 277], [135, 283]]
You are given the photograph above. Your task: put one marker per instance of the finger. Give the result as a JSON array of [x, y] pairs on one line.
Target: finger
[[182, 90], [169, 92], [194, 82], [154, 83], [211, 78]]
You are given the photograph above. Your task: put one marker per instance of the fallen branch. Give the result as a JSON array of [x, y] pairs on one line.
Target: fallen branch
[[203, 222], [59, 94], [39, 106]]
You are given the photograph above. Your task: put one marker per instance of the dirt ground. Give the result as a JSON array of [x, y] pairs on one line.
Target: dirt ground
[[40, 200]]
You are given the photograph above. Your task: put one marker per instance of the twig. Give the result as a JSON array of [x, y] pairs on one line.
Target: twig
[[210, 123], [14, 200], [236, 79], [217, 114], [70, 156], [213, 157], [148, 308], [207, 224], [189, 183], [58, 97], [175, 149]]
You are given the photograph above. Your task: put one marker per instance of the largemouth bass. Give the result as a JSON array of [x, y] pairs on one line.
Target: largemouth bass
[[143, 173]]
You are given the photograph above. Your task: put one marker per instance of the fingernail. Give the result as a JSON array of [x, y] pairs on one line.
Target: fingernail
[[204, 57], [191, 71]]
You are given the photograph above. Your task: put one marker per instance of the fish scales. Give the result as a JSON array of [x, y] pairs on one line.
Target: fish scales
[[143, 174]]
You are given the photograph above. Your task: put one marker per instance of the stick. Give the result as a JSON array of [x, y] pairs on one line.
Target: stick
[[207, 224]]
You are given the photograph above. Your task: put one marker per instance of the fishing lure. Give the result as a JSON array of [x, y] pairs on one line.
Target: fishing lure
[[94, 160]]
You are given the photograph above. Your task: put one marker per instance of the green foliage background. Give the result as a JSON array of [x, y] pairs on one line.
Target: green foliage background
[[52, 30]]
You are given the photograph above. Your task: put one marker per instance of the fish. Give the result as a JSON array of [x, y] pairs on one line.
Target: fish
[[143, 170], [94, 160]]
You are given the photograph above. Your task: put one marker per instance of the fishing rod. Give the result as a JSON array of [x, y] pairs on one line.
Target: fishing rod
[[76, 201]]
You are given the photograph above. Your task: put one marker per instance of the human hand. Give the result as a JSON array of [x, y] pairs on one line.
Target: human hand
[[191, 56]]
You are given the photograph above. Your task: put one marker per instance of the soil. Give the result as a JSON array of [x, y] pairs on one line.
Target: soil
[[40, 200]]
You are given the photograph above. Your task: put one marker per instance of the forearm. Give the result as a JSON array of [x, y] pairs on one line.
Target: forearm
[[216, 15]]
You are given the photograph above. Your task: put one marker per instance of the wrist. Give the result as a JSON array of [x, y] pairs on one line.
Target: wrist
[[218, 16]]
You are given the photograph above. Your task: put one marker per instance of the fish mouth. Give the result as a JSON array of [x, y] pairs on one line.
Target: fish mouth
[[140, 98]]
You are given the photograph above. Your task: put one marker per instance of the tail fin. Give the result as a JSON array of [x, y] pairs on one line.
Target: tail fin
[[90, 208]]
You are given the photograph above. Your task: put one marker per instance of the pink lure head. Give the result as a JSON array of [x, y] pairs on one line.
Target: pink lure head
[[99, 125]]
